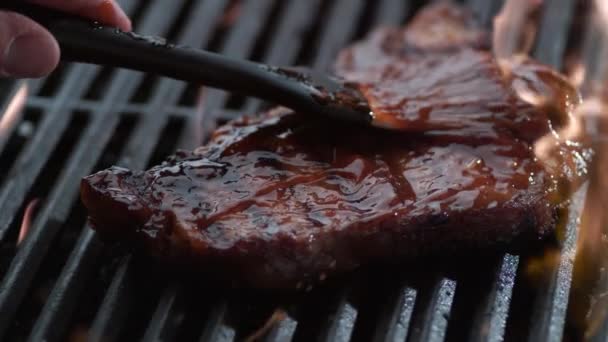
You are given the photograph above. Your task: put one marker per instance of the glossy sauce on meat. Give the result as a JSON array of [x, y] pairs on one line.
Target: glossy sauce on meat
[[281, 198]]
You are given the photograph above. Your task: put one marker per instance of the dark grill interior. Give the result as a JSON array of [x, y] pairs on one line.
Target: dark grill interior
[[62, 283]]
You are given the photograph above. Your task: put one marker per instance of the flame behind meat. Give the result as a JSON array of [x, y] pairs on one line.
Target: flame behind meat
[[12, 114], [515, 29], [28, 218], [586, 125], [590, 312]]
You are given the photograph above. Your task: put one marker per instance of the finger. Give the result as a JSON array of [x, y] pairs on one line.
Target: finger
[[26, 48], [105, 11]]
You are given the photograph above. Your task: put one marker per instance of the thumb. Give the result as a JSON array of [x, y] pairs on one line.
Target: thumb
[[26, 48]]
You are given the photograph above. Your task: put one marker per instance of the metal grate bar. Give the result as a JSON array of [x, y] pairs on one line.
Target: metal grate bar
[[11, 112], [436, 313], [216, 329], [432, 325], [333, 39], [342, 322], [163, 306], [334, 36], [553, 36], [390, 12], [551, 304], [55, 120], [52, 323], [393, 12], [430, 315], [45, 102], [283, 331], [294, 20], [287, 40], [395, 325], [491, 318], [187, 141], [139, 150], [36, 244], [168, 315], [35, 85], [64, 291], [341, 38], [168, 93], [549, 50], [337, 33], [216, 99], [143, 134], [30, 163], [200, 29], [111, 316], [239, 44], [90, 105]]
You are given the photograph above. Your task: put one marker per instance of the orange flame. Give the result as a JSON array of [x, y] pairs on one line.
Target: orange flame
[[28, 218], [514, 28], [277, 316], [13, 112], [578, 74], [231, 14], [592, 243], [587, 126], [512, 39], [591, 74]]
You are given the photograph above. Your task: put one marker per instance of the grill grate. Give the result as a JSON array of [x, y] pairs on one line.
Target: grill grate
[[62, 283]]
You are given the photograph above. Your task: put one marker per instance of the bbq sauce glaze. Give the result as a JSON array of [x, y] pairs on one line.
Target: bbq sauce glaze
[[287, 185], [284, 197]]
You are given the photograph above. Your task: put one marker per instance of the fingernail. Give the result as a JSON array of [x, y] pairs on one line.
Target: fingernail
[[30, 55]]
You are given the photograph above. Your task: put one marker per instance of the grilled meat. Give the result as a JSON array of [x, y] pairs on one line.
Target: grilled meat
[[280, 198]]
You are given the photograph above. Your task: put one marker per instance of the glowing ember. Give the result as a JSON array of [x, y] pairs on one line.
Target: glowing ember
[[28, 217], [231, 14], [277, 316], [577, 75], [13, 112]]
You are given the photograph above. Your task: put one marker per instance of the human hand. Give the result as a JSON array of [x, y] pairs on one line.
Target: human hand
[[28, 50]]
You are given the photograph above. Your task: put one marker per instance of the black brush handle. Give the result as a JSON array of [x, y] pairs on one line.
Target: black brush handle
[[82, 40]]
